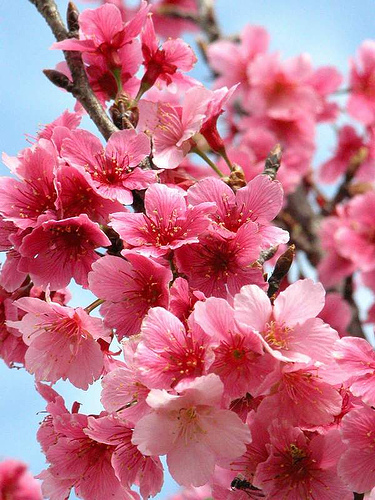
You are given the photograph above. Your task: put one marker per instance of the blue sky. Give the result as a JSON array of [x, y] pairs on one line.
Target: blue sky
[[330, 31]]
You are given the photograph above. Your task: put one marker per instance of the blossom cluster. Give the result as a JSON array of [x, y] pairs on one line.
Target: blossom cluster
[[206, 350]]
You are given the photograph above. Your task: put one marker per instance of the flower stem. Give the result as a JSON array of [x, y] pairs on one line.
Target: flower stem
[[208, 161], [93, 305]]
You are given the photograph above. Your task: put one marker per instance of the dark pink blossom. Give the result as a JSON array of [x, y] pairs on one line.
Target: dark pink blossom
[[260, 201], [129, 287], [23, 201], [129, 464], [299, 466], [162, 63], [62, 342], [218, 265], [57, 251], [169, 352], [16, 482], [114, 169], [168, 224]]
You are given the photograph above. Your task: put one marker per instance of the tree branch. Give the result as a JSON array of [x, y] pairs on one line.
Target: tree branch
[[80, 88]]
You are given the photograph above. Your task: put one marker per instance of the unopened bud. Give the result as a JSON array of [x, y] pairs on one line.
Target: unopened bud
[[273, 161], [281, 270]]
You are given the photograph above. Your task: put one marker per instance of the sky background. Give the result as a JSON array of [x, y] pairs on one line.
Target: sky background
[[330, 31]]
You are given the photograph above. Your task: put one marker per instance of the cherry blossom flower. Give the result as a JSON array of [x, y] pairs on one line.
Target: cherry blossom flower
[[114, 169], [230, 60], [289, 328], [260, 201], [239, 358], [302, 467], [16, 482], [173, 127], [361, 104], [57, 251], [168, 352], [77, 195], [129, 464], [168, 223], [162, 63], [192, 430], [355, 466], [104, 34], [218, 265], [357, 358], [62, 342], [129, 287], [24, 201]]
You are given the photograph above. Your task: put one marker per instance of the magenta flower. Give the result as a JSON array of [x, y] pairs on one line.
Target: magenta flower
[[260, 201], [192, 430], [57, 251], [289, 328], [299, 466], [78, 461], [239, 359], [168, 224], [162, 63], [24, 201], [113, 169], [103, 33], [77, 195], [129, 287], [16, 482], [218, 265], [61, 341], [129, 464], [168, 352]]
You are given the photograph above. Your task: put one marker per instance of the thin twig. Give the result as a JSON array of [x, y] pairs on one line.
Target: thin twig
[[355, 327], [80, 88]]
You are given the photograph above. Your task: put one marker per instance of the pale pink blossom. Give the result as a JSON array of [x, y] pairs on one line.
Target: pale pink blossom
[[289, 328], [192, 430], [356, 464], [172, 127], [281, 90], [168, 224], [361, 103], [62, 342], [357, 358], [230, 60]]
